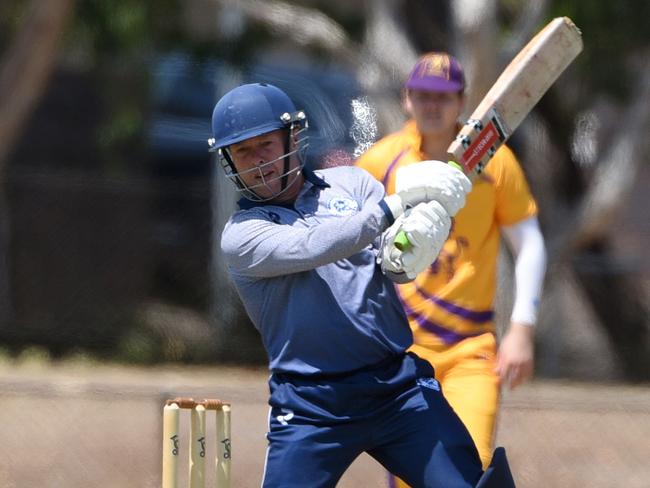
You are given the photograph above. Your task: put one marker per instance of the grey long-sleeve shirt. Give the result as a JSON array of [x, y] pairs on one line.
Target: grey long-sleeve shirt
[[308, 277]]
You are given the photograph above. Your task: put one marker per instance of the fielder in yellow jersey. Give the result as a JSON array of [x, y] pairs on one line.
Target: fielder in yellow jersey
[[450, 305]]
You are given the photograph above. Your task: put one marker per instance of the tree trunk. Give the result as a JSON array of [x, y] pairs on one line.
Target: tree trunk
[[616, 292], [24, 72], [617, 297], [27, 66], [475, 44], [584, 213]]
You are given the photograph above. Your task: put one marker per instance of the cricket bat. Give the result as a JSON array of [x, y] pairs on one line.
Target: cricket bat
[[517, 90]]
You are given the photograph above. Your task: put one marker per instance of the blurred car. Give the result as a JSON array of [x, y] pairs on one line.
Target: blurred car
[[183, 94]]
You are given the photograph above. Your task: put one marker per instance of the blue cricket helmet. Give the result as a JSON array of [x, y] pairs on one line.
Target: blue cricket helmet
[[249, 111]]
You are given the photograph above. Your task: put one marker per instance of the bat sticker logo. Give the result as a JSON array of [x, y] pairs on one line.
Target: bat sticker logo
[[490, 138]]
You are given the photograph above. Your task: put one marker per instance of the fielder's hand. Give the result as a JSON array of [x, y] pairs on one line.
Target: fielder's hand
[[515, 357], [427, 226]]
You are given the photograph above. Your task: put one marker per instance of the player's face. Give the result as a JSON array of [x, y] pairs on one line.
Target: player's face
[[435, 113], [260, 164]]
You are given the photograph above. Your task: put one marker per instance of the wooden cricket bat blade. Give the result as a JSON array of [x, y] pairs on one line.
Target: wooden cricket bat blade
[[528, 76], [517, 90]]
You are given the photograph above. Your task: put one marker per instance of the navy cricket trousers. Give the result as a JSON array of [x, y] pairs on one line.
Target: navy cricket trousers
[[394, 411]]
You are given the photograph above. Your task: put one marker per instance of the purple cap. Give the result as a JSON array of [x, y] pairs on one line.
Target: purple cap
[[437, 72]]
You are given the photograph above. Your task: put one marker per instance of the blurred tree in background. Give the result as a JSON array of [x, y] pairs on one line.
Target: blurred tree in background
[[113, 207]]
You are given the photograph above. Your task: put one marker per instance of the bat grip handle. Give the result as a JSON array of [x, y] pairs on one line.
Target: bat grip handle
[[402, 241]]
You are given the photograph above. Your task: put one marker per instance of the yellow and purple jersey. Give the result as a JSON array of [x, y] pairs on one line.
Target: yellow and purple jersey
[[453, 299]]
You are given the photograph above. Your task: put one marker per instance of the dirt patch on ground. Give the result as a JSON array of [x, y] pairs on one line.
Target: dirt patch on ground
[[70, 426]]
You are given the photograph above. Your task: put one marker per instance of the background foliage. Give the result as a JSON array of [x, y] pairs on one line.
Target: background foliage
[[112, 207]]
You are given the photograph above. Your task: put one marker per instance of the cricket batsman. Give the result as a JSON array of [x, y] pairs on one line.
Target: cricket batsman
[[312, 256]]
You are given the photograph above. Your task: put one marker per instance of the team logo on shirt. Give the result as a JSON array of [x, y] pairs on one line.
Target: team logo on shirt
[[343, 206], [274, 217]]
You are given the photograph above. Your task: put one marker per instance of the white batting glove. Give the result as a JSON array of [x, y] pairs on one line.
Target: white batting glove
[[427, 226], [390, 258], [433, 180]]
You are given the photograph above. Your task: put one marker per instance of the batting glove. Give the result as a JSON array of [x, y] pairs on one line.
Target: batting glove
[[427, 226], [433, 180]]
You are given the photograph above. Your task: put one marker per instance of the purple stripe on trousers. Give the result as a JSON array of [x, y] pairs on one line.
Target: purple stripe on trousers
[[446, 335], [471, 315]]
